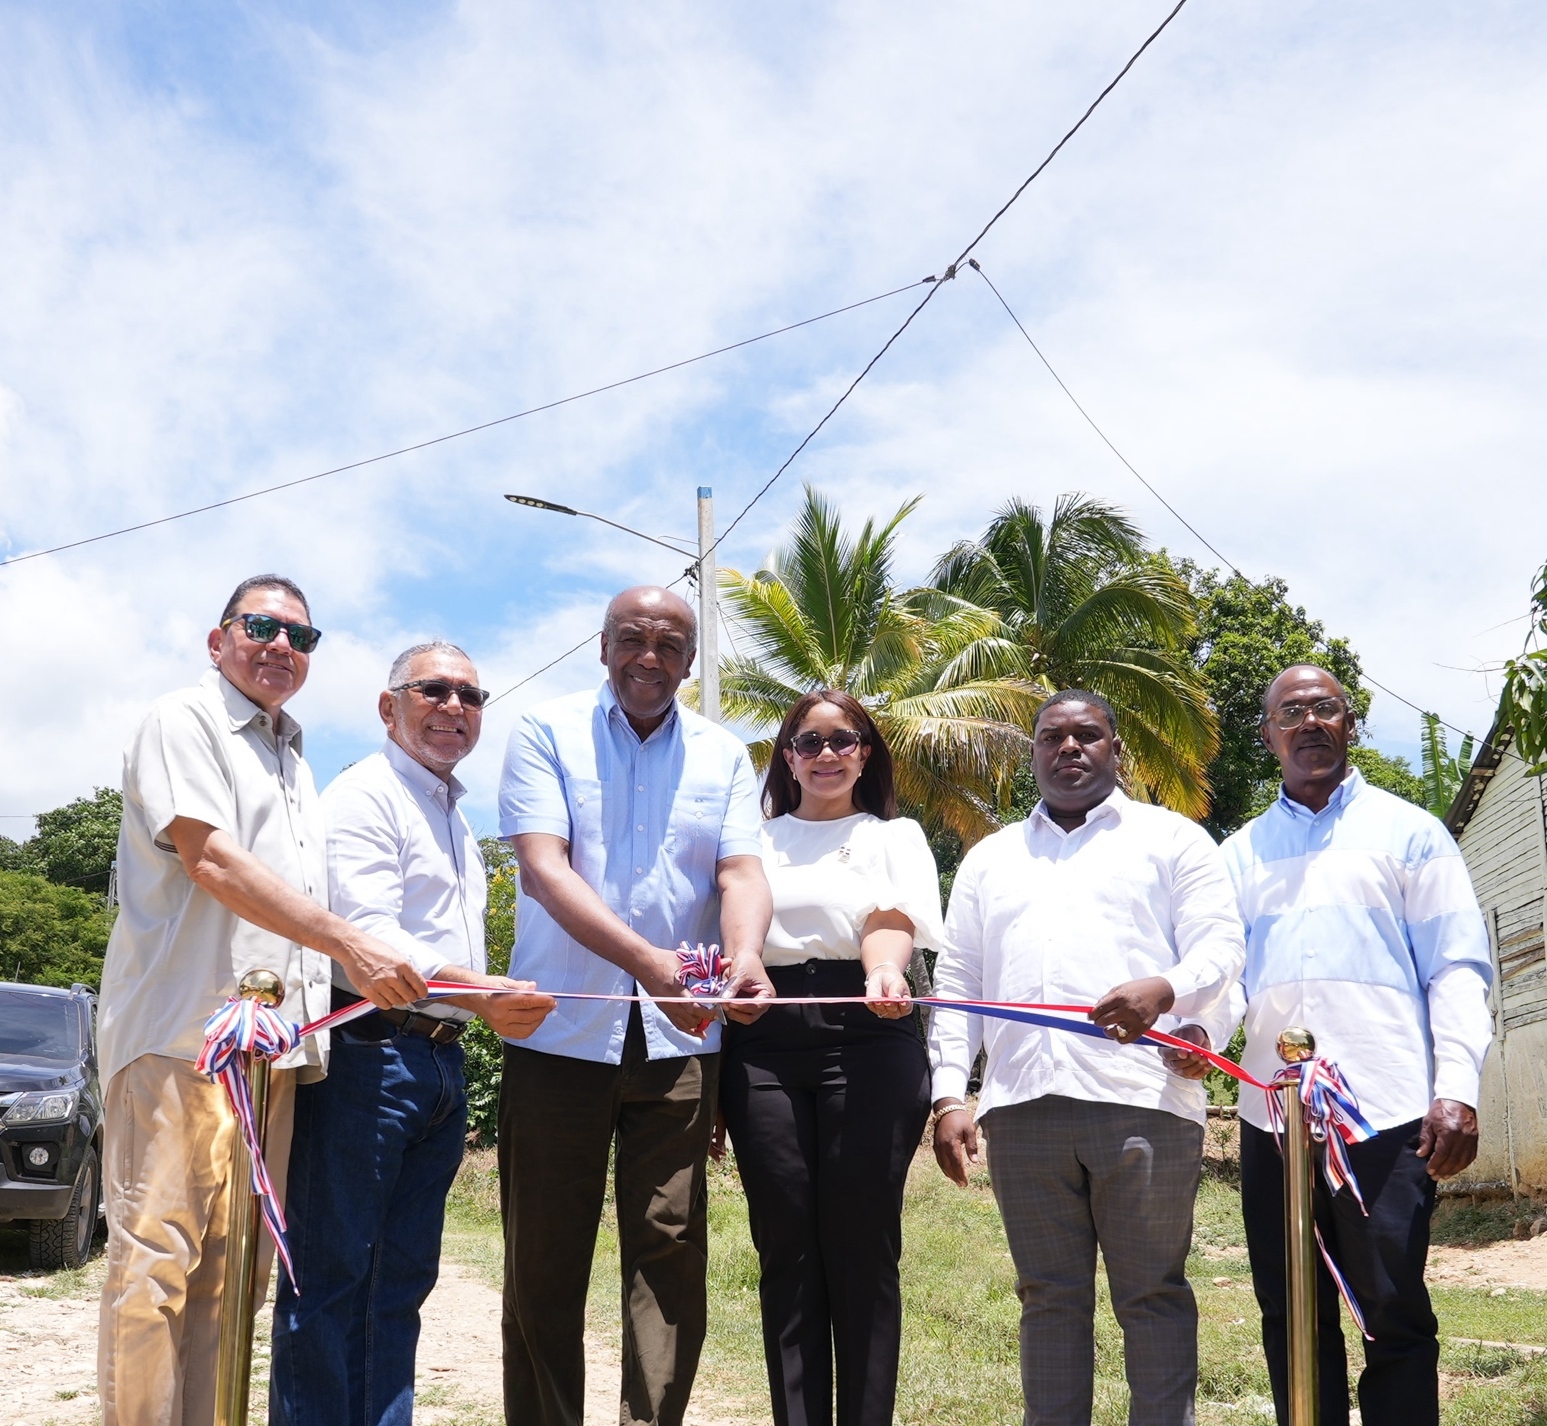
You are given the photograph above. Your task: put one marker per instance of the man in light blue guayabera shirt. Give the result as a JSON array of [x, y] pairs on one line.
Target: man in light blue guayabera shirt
[[636, 825], [1361, 924]]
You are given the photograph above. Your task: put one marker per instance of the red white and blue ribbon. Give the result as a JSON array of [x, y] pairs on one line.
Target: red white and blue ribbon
[[1332, 1111], [238, 1029]]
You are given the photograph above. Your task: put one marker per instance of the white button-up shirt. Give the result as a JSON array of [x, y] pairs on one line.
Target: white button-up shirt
[[1043, 915], [1363, 927], [404, 865], [647, 821], [176, 954]]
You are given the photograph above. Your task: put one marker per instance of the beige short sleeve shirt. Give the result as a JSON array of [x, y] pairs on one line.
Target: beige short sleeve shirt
[[176, 954]]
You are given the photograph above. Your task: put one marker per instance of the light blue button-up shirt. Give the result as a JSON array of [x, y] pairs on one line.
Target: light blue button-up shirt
[[1361, 924], [646, 821]]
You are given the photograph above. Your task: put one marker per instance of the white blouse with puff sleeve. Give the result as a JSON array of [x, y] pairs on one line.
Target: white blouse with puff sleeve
[[828, 878]]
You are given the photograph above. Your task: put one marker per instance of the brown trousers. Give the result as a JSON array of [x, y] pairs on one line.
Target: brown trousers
[[166, 1178], [558, 1120]]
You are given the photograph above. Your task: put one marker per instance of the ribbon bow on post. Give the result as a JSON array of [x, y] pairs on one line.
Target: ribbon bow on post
[[247, 1026]]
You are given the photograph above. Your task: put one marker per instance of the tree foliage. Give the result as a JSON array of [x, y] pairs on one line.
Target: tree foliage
[[1246, 633], [50, 935], [74, 845], [1442, 773], [1087, 605], [484, 1051], [1524, 704]]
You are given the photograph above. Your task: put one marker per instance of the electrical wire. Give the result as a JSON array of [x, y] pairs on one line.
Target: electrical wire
[[950, 271], [456, 435], [1233, 567]]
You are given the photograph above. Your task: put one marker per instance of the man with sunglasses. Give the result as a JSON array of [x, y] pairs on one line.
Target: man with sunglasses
[[221, 870], [378, 1142], [1363, 927], [636, 825]]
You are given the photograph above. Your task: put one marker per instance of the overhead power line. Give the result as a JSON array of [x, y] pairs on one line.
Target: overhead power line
[[950, 272], [457, 435], [934, 286], [1182, 519]]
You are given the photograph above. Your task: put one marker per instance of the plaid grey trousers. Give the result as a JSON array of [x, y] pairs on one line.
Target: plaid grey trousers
[[1070, 1175]]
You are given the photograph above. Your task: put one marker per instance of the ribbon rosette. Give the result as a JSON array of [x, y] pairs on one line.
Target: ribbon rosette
[[250, 1027], [1334, 1120], [704, 970]]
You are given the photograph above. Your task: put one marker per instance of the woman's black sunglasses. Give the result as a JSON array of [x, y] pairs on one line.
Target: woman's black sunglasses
[[264, 629], [810, 743], [437, 690]]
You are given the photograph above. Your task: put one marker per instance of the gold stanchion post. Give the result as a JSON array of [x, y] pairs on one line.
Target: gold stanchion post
[[233, 1362], [1296, 1045]]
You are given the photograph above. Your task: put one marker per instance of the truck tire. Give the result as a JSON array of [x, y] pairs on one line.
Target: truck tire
[[66, 1242]]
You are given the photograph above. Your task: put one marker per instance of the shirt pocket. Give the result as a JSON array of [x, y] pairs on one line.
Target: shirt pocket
[[697, 814], [587, 801]]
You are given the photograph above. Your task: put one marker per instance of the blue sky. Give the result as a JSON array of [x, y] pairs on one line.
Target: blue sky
[[1292, 266]]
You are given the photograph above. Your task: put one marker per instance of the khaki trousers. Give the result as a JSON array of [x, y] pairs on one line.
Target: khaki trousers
[[166, 1178]]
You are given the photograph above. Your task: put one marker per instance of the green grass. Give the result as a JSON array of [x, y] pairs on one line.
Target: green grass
[[960, 1313]]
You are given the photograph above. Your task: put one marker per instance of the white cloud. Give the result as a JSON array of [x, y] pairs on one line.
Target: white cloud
[[1291, 267]]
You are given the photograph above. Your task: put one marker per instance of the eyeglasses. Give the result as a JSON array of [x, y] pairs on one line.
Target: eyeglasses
[[437, 690], [1291, 715], [810, 744], [264, 629]]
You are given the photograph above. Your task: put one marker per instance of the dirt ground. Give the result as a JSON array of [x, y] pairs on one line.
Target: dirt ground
[[48, 1331], [48, 1347]]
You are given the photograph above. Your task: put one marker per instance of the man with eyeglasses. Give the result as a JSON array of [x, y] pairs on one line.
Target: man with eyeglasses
[[636, 825], [1363, 927], [221, 870], [378, 1142]]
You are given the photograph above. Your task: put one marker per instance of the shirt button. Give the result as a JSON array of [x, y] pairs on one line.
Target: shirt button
[[639, 871], [639, 827], [640, 788]]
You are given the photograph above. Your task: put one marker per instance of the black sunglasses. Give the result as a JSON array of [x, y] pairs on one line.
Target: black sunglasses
[[437, 690], [810, 743], [264, 629]]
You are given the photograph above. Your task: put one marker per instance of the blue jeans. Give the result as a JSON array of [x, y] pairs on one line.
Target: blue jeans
[[377, 1144]]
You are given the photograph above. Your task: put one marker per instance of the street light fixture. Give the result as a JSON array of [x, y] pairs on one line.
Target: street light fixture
[[704, 569]]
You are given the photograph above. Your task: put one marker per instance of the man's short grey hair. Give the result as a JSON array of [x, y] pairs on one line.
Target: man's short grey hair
[[405, 660], [610, 619]]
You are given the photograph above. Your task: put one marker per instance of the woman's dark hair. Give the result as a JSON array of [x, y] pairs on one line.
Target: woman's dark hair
[[874, 793]]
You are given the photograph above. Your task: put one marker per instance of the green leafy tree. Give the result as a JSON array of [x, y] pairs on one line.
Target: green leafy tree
[[50, 935], [1442, 774], [1247, 632], [75, 845], [1524, 704], [945, 685], [1390, 774], [1088, 605], [484, 1050]]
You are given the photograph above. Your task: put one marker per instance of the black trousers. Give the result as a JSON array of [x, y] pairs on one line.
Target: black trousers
[[559, 1118], [826, 1106], [1382, 1257]]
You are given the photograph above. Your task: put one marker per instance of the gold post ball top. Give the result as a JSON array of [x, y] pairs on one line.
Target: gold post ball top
[[1296, 1044], [261, 985]]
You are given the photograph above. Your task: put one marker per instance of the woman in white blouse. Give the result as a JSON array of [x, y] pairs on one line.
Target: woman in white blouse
[[826, 1103]]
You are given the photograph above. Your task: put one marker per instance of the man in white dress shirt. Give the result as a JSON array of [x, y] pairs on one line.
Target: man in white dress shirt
[[378, 1142], [1362, 926], [221, 870], [1093, 899]]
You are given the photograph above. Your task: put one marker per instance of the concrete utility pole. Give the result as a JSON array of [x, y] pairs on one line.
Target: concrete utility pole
[[708, 610]]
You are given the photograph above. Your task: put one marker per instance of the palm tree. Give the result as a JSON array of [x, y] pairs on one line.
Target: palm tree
[[935, 670], [1088, 605]]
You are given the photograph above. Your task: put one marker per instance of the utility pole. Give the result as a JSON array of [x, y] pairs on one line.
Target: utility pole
[[708, 610]]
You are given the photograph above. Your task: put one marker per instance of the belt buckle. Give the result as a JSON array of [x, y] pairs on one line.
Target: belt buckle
[[447, 1032]]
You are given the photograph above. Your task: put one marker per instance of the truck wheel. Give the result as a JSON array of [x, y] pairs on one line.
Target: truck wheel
[[66, 1242]]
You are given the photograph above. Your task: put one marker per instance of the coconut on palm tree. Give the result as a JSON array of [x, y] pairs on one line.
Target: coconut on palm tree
[[1085, 604], [936, 671]]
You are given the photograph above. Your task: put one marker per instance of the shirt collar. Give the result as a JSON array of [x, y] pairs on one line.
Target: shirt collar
[[418, 776], [1344, 793], [1109, 810], [615, 714], [243, 712]]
